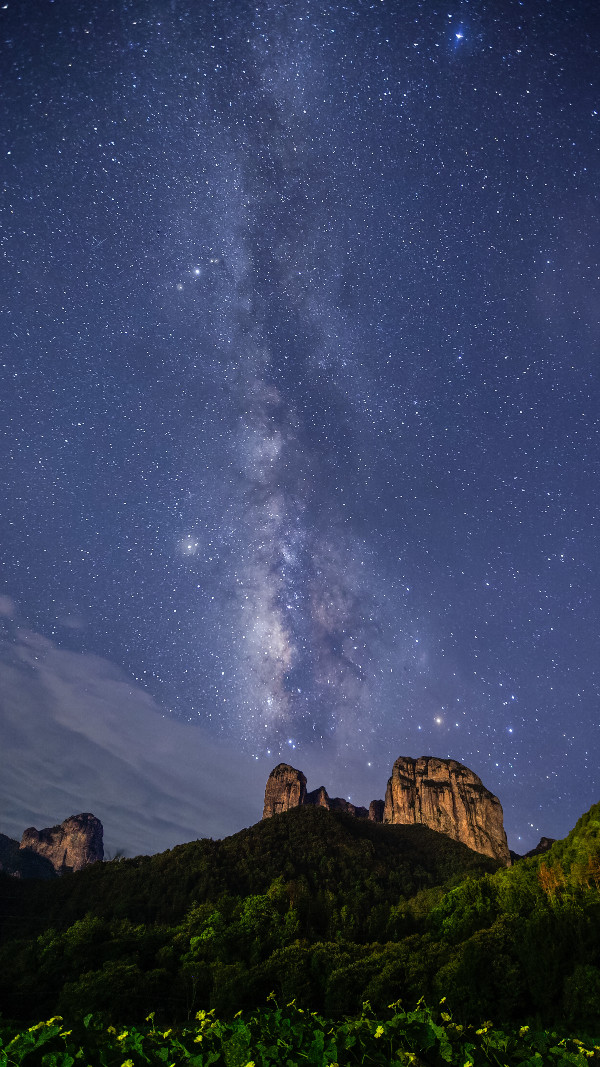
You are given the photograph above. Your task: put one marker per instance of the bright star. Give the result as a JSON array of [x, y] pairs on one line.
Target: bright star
[[188, 546]]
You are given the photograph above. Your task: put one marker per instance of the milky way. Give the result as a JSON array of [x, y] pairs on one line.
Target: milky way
[[300, 394], [305, 615]]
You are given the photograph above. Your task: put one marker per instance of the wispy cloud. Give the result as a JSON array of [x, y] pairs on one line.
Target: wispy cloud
[[7, 606], [76, 734]]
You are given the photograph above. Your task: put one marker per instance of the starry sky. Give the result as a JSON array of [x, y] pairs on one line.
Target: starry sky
[[299, 397]]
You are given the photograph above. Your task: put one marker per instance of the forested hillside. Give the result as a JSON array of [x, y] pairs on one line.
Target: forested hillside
[[316, 906]]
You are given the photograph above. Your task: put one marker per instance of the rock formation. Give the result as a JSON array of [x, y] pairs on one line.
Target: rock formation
[[544, 844], [23, 864], [318, 798], [71, 846], [286, 788], [439, 793], [448, 797], [321, 799]]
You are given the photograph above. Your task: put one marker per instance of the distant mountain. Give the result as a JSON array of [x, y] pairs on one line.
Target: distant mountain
[[23, 864], [543, 845], [72, 845]]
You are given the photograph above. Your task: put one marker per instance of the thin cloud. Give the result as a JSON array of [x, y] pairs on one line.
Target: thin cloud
[[78, 735]]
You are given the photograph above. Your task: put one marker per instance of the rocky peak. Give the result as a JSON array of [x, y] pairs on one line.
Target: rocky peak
[[544, 844], [23, 864], [320, 798], [71, 846], [448, 797], [439, 793], [286, 788]]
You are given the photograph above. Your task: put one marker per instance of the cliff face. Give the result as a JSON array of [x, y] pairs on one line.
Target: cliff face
[[23, 864], [286, 788], [73, 845], [448, 797], [439, 793]]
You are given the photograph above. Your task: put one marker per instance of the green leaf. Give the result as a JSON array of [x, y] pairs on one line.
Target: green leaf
[[213, 1057], [446, 1051]]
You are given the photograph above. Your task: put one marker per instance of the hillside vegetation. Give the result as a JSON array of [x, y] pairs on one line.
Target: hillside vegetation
[[318, 907]]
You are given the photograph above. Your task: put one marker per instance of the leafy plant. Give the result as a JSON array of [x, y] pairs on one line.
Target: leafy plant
[[288, 1036]]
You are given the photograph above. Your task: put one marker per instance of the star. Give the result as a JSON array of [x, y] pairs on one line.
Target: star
[[368, 413]]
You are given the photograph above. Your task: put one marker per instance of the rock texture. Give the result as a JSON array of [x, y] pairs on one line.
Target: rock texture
[[439, 793], [449, 798], [286, 788], [320, 798], [71, 846], [22, 864]]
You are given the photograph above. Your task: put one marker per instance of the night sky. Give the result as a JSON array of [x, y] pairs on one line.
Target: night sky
[[299, 399]]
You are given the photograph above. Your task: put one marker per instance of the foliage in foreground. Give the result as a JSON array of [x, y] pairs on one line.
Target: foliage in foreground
[[290, 1036]]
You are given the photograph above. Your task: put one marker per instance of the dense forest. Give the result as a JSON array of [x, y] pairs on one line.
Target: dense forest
[[317, 907]]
